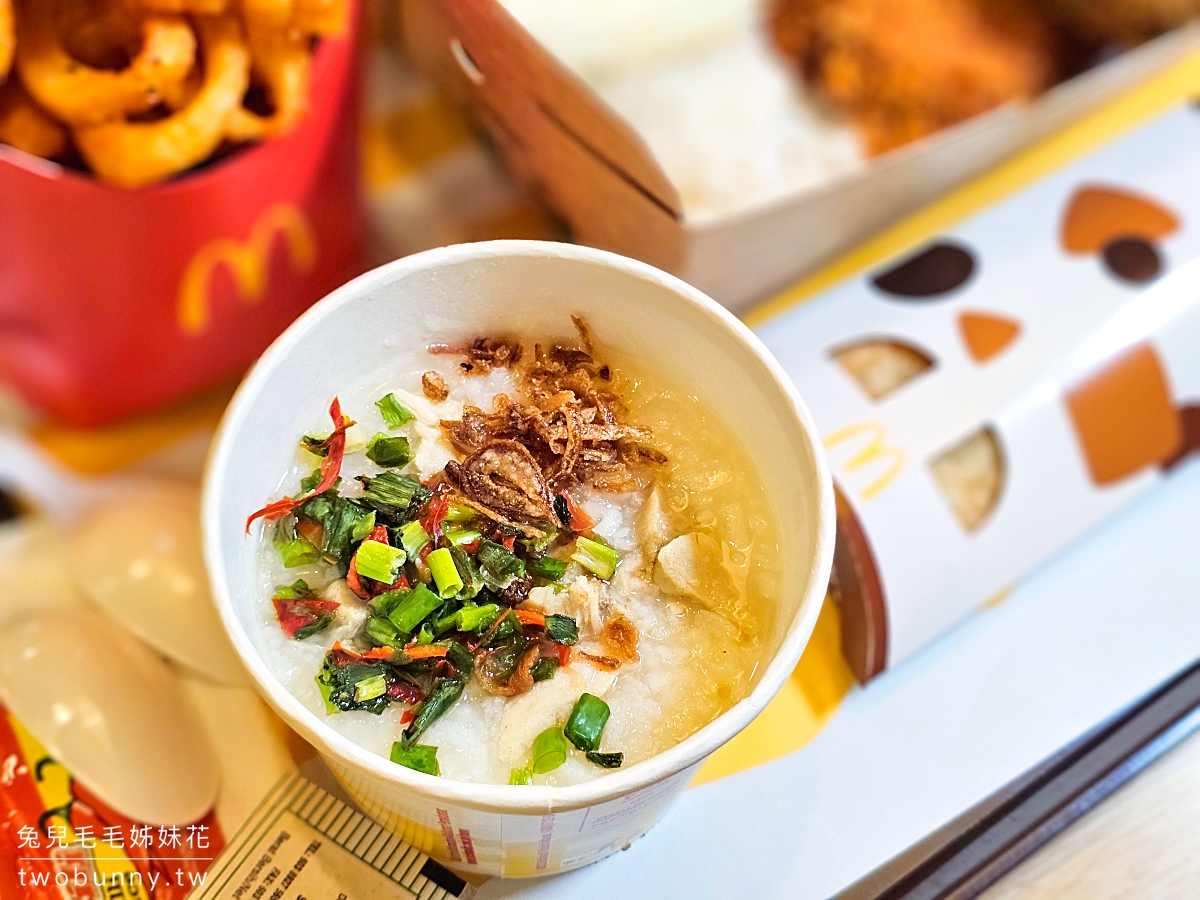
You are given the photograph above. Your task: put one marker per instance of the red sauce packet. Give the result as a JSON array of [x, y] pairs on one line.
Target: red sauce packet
[[59, 842]]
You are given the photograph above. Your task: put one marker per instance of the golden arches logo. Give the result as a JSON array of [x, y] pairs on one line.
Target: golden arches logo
[[248, 262], [874, 447]]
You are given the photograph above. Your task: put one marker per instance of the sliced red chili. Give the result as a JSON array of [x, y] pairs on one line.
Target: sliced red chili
[[343, 657], [402, 689], [530, 617], [294, 614], [432, 520], [429, 651], [331, 467], [580, 521], [354, 582], [555, 650]]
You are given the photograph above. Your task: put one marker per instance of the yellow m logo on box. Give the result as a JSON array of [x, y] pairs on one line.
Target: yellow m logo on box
[[248, 262], [873, 439]]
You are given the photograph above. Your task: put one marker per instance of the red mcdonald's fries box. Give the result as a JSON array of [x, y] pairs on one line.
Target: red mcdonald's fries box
[[113, 301]]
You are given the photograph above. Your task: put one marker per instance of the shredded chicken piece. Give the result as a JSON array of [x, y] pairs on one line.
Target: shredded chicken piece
[[584, 594]]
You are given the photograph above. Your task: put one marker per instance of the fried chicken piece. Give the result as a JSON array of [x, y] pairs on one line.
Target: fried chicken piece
[[1125, 21], [902, 69]]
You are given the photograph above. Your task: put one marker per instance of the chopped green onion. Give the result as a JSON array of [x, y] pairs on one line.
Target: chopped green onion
[[370, 688], [538, 544], [587, 722], [316, 444], [326, 690], [460, 512], [445, 573], [413, 538], [563, 511], [417, 603], [460, 657], [389, 452], [392, 493], [461, 537], [387, 601], [597, 557], [381, 632], [298, 552], [520, 776], [606, 760], [394, 415], [310, 482], [507, 627], [476, 618], [293, 549], [544, 669], [546, 567], [420, 757], [343, 685], [378, 561], [297, 590], [344, 521], [362, 526], [562, 629], [316, 627], [425, 636], [500, 567], [468, 571], [549, 751], [445, 623], [440, 698]]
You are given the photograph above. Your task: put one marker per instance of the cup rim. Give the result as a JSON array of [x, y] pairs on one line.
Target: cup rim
[[523, 799]]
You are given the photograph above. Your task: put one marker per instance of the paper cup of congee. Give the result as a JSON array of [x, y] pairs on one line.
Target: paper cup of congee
[[573, 542]]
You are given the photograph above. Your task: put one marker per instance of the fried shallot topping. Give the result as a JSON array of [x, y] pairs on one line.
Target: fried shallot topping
[[484, 354], [489, 669], [434, 387], [504, 477], [566, 418], [619, 638]]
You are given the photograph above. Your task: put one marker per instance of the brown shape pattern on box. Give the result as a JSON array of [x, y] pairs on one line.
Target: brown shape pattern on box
[[929, 274], [987, 334], [881, 366], [1121, 226], [1124, 416]]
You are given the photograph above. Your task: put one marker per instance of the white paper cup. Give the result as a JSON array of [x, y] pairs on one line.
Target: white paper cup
[[386, 319]]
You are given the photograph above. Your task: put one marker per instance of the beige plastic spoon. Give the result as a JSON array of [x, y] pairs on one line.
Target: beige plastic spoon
[[138, 558], [111, 711]]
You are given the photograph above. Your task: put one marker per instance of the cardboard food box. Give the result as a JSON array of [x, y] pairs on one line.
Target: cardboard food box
[[114, 302], [1005, 370], [593, 168]]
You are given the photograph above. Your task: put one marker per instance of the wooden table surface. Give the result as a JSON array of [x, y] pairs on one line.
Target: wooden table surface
[[1142, 842]]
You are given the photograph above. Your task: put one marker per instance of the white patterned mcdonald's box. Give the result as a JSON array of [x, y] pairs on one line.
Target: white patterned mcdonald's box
[[513, 846], [1002, 386]]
